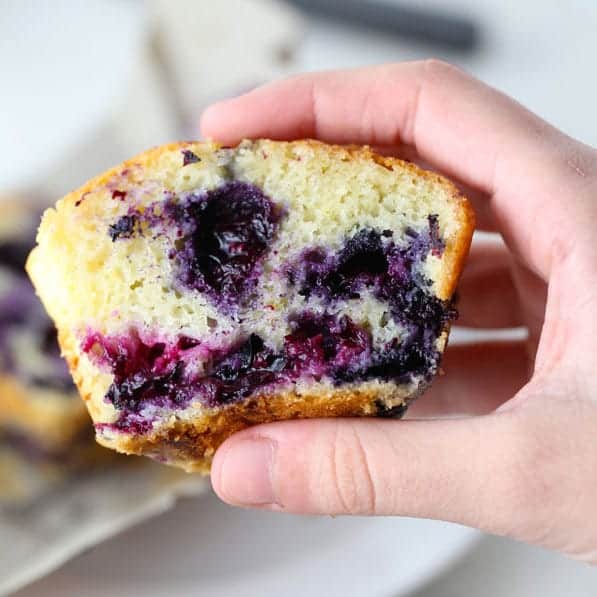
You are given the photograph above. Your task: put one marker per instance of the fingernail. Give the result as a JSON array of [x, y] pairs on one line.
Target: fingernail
[[246, 473]]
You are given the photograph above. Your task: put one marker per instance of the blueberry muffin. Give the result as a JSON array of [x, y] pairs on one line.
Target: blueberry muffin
[[45, 432], [200, 289]]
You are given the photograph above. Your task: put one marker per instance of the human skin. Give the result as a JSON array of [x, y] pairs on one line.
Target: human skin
[[515, 453]]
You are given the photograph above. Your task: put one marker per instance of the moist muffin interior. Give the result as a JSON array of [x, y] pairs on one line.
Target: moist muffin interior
[[199, 289], [357, 309]]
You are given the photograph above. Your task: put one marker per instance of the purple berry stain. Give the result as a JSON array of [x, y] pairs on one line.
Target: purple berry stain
[[372, 260], [157, 374], [124, 227], [241, 372], [143, 371], [188, 157], [225, 234], [22, 313], [221, 237], [325, 345]]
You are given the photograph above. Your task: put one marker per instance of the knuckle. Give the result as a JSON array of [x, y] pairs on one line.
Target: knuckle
[[437, 68], [352, 483]]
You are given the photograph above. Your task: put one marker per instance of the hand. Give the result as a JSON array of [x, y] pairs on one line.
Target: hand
[[526, 464]]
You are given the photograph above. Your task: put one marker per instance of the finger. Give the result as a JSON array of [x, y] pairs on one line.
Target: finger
[[465, 471], [487, 296], [478, 379], [461, 126]]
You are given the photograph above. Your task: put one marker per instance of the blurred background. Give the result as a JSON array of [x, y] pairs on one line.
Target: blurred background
[[88, 84]]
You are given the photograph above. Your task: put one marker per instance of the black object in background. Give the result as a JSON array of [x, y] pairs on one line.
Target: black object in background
[[423, 25]]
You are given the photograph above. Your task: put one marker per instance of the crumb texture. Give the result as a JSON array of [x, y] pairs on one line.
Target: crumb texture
[[200, 289]]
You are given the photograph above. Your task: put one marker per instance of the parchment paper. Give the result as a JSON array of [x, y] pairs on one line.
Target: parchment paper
[[83, 512]]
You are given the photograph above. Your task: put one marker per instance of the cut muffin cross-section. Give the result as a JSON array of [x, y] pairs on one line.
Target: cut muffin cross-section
[[200, 289]]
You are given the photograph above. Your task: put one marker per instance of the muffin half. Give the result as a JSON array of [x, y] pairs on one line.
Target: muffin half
[[199, 289]]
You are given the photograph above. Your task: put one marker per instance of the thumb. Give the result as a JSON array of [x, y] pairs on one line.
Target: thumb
[[470, 471]]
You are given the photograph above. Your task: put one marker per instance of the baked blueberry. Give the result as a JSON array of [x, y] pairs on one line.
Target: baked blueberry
[[225, 233]]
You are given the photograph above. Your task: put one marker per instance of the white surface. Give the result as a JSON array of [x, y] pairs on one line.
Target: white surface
[[501, 568], [62, 75], [540, 51], [78, 515], [205, 548]]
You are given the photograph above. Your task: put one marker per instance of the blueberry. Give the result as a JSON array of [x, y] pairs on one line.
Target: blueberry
[[220, 237], [372, 260], [226, 232], [143, 372], [243, 371], [393, 412], [363, 254], [188, 157], [124, 227], [323, 344]]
